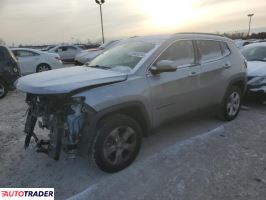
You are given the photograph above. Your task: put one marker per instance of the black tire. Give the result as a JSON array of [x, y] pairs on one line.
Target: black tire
[[3, 89], [43, 67], [112, 151], [229, 108], [56, 133]]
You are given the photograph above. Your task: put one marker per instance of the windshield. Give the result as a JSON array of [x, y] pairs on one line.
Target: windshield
[[255, 53], [127, 55]]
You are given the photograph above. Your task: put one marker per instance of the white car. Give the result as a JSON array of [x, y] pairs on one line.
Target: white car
[[32, 60], [255, 55], [87, 55], [66, 52]]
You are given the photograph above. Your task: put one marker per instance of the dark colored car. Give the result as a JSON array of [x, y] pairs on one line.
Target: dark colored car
[[9, 71]]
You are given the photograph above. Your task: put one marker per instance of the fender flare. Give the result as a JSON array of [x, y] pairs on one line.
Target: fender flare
[[90, 130]]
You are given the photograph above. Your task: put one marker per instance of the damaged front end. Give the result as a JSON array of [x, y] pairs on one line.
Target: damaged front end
[[65, 117]]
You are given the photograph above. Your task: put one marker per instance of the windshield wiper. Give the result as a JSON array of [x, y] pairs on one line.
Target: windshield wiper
[[99, 67]]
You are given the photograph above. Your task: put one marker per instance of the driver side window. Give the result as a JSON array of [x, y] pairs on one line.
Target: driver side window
[[180, 52], [62, 48]]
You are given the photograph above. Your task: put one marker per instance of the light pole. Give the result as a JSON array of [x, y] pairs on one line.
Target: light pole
[[250, 16], [100, 2]]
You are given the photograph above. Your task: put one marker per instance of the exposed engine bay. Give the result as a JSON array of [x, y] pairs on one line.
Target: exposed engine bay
[[63, 116]]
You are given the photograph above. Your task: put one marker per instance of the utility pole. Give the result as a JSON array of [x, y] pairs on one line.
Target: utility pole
[[100, 2], [250, 16]]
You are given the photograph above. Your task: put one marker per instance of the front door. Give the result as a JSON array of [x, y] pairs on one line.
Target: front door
[[175, 93]]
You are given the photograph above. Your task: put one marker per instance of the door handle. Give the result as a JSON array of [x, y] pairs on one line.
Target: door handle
[[193, 73], [227, 65]]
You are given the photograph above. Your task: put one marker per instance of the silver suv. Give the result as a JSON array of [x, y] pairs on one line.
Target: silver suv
[[105, 108]]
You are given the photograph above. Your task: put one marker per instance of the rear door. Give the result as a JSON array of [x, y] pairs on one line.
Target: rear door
[[175, 93], [72, 51], [213, 71], [28, 60], [62, 51]]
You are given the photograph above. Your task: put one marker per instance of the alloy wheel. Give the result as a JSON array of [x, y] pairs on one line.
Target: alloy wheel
[[233, 104], [120, 145], [43, 68]]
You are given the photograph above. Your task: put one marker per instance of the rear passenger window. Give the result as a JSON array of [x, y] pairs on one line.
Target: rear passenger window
[[71, 48], [209, 50], [225, 48], [24, 53], [181, 52]]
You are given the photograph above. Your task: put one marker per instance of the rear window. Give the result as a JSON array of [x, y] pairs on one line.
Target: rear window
[[209, 50]]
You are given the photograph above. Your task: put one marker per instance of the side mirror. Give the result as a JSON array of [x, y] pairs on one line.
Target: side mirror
[[163, 66]]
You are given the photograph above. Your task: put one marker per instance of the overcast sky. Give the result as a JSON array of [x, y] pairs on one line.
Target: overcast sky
[[56, 21]]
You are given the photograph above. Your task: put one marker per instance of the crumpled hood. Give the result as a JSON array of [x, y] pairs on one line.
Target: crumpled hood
[[65, 80], [256, 68]]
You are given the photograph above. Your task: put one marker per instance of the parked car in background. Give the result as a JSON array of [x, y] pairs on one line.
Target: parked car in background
[[32, 61], [9, 71], [108, 105], [87, 55], [256, 70], [241, 43], [48, 48], [66, 52]]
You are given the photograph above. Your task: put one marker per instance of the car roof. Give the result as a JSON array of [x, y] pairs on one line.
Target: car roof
[[27, 49], [156, 39], [159, 39]]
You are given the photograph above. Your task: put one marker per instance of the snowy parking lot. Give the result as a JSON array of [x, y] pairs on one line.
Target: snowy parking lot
[[197, 158]]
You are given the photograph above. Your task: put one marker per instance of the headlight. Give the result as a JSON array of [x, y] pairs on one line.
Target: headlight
[[257, 81]]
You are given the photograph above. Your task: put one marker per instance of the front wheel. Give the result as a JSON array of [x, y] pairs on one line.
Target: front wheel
[[231, 104], [117, 143], [3, 89]]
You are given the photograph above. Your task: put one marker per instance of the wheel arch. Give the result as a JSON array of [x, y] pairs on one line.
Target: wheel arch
[[240, 82], [135, 110]]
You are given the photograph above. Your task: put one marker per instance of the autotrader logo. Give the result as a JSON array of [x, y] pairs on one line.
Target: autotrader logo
[[27, 193]]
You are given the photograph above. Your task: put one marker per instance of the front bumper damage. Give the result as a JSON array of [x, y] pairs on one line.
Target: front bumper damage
[[63, 116]]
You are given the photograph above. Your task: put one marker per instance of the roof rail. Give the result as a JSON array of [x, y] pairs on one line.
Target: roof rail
[[222, 35]]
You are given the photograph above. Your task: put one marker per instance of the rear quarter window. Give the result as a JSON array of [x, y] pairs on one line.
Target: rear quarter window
[[225, 49], [209, 50]]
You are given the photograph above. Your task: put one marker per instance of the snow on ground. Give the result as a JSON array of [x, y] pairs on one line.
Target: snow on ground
[[183, 160]]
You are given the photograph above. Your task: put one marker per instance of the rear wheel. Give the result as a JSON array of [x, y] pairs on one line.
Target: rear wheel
[[43, 67], [3, 89], [231, 104], [117, 143]]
